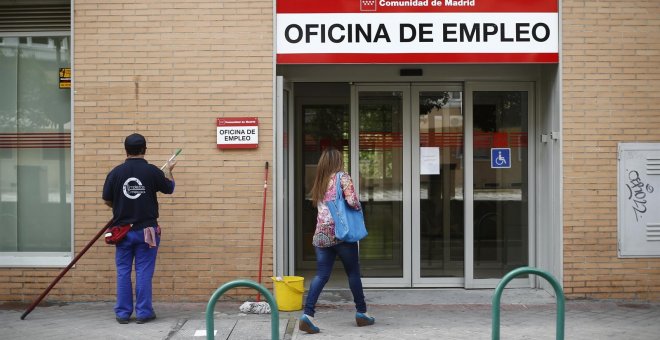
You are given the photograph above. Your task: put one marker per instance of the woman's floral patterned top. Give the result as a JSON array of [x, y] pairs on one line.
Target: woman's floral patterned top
[[324, 236]]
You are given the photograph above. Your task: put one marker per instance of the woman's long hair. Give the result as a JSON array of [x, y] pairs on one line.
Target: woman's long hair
[[330, 163]]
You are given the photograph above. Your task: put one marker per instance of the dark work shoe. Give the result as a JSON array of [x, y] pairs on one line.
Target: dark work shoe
[[122, 321], [363, 319], [307, 324], [145, 320]]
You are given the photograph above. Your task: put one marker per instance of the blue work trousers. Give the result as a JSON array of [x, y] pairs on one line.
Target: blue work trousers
[[133, 247], [325, 260]]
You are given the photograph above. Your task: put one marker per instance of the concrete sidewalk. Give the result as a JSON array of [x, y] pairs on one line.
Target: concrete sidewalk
[[400, 314]]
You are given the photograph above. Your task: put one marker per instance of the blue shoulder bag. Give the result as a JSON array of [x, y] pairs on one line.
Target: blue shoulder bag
[[349, 223]]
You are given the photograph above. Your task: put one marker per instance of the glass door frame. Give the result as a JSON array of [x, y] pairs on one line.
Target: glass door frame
[[470, 88], [417, 279], [283, 184], [405, 280], [285, 254]]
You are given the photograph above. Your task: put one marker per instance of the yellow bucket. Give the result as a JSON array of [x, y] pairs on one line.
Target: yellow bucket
[[289, 292]]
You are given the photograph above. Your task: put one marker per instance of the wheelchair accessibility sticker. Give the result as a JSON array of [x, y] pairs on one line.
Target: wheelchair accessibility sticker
[[500, 158]]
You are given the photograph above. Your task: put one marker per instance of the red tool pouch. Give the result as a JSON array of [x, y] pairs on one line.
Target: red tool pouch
[[115, 234]]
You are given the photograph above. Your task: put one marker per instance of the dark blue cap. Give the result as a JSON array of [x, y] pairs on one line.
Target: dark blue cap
[[135, 141]]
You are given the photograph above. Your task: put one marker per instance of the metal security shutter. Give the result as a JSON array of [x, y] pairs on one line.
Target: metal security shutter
[[27, 17], [638, 199]]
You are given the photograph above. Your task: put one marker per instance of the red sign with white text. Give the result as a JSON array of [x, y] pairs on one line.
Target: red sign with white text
[[238, 133], [407, 6], [417, 31]]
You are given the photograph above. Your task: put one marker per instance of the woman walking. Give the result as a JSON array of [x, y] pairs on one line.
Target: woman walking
[[327, 247]]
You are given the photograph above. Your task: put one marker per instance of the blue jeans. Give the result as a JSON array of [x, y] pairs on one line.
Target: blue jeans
[[133, 247], [325, 259]]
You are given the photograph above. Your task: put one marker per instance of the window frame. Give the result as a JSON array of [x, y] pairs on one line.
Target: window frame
[[48, 259]]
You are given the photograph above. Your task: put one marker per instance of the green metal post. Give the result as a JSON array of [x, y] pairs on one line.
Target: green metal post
[[528, 270], [210, 307]]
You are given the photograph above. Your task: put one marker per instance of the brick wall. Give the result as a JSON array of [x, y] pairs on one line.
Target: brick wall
[[168, 69], [611, 94]]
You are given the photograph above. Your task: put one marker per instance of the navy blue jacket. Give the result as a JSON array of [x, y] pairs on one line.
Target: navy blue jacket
[[132, 188]]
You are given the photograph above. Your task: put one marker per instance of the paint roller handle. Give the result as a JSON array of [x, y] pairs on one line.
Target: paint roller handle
[[178, 151]]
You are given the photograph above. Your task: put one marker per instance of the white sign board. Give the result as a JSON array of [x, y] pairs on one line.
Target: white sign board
[[638, 199], [237, 133], [417, 31]]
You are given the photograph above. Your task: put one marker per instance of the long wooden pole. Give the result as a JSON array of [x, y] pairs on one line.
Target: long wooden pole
[[57, 279]]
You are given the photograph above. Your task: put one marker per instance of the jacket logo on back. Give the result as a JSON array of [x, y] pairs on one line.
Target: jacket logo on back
[[133, 188]]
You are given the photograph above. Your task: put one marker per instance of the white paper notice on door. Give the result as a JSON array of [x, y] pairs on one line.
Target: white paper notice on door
[[429, 161]]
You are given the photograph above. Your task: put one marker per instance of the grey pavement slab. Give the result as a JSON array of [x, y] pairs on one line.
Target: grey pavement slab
[[97, 321], [584, 321], [400, 314]]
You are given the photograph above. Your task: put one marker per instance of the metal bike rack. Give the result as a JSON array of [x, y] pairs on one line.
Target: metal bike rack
[[210, 307], [528, 270]]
